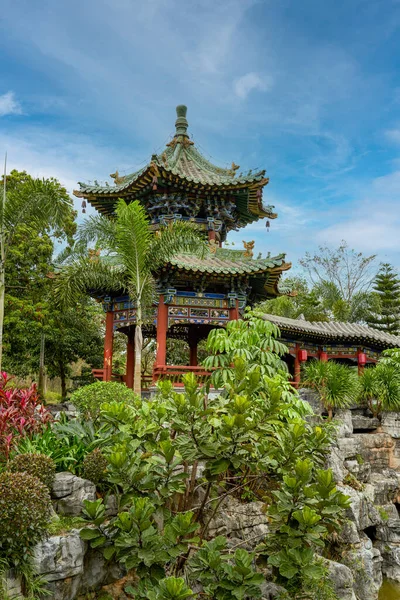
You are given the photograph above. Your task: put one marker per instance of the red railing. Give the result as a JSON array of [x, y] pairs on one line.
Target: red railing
[[175, 372]]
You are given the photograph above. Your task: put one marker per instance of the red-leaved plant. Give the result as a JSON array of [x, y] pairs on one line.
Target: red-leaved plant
[[21, 414]]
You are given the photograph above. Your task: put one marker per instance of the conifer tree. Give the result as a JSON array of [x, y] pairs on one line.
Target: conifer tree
[[386, 316]]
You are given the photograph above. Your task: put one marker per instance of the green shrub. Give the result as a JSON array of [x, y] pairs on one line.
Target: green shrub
[[25, 507], [53, 398], [39, 465], [89, 398], [94, 466]]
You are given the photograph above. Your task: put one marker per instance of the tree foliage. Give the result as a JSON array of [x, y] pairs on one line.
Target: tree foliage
[[132, 255], [250, 440], [386, 316]]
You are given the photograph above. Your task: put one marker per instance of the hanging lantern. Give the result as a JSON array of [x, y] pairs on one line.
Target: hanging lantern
[[267, 225], [302, 355], [323, 357], [362, 359], [83, 206], [154, 182]]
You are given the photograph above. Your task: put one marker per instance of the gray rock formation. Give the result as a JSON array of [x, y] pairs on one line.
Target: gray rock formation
[[69, 492]]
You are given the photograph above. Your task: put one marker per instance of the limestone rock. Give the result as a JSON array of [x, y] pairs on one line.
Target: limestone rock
[[312, 398], [361, 422], [60, 557], [334, 462], [366, 565], [362, 510], [342, 580], [386, 486], [349, 533], [391, 559], [12, 586], [69, 492], [377, 449], [242, 521], [391, 424], [270, 591], [344, 423], [360, 470]]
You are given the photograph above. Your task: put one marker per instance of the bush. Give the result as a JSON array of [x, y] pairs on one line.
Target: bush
[[21, 415], [24, 514], [88, 399], [38, 465], [94, 466]]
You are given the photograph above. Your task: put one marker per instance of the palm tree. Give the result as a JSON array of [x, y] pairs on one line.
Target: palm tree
[[380, 388], [42, 204], [336, 384], [131, 254]]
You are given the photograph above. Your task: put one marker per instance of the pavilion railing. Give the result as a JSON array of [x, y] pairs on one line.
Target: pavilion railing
[[175, 372]]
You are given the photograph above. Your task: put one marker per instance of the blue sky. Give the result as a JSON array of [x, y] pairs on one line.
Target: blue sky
[[308, 90]]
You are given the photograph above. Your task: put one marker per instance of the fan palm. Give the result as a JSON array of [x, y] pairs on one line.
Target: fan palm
[[42, 204], [336, 384], [131, 254], [380, 388]]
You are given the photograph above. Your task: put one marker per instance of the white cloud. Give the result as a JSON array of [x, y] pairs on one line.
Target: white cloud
[[393, 135], [9, 105], [251, 81], [372, 222]]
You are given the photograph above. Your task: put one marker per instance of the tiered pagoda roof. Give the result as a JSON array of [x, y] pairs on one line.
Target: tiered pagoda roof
[[182, 168], [180, 183]]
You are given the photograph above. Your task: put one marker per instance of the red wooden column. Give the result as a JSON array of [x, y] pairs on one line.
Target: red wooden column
[[211, 234], [130, 361], [108, 346], [297, 366], [322, 355], [162, 326], [193, 354], [234, 311], [361, 360]]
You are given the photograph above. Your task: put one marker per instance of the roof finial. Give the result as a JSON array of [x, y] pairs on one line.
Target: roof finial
[[181, 123]]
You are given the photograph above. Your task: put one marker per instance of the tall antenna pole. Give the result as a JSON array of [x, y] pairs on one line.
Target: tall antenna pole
[[2, 260]]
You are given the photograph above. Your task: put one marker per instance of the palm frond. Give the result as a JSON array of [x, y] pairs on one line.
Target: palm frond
[[132, 242], [97, 229], [42, 203], [177, 238], [84, 276]]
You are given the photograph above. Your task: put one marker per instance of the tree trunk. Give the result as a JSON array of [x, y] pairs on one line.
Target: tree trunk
[[137, 381], [330, 413], [41, 389], [63, 378]]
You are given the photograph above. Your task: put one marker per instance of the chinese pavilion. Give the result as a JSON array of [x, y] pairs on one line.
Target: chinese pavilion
[[349, 343], [194, 295]]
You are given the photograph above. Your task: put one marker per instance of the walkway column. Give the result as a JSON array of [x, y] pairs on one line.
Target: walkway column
[[322, 355], [162, 326], [130, 361], [108, 346], [297, 365]]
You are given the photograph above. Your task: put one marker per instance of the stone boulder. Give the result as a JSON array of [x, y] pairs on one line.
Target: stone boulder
[[69, 492], [365, 563], [342, 580], [362, 510], [312, 398], [238, 521], [391, 424], [376, 449], [344, 423], [363, 423], [386, 486]]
